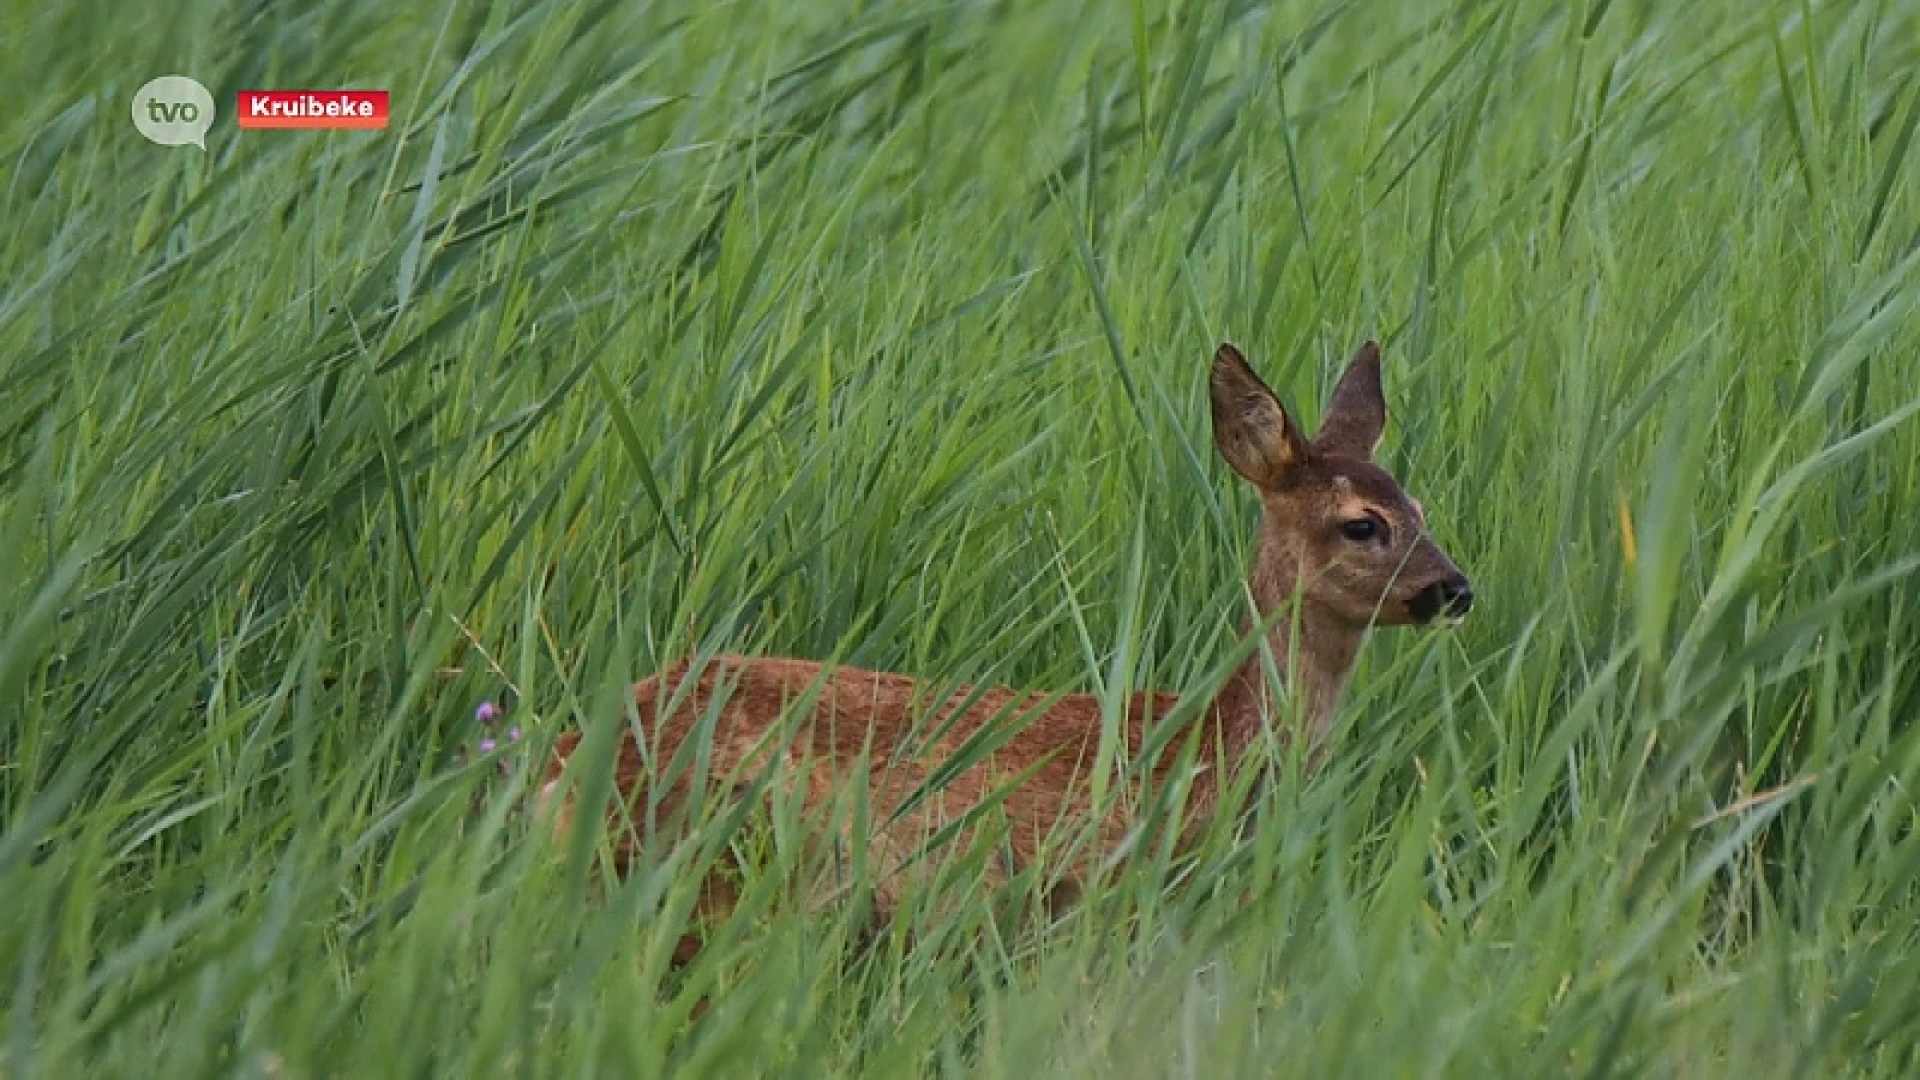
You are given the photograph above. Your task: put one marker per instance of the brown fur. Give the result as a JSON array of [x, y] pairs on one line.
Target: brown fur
[[1309, 490]]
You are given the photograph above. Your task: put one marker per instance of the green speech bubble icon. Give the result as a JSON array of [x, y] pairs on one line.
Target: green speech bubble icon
[[173, 110]]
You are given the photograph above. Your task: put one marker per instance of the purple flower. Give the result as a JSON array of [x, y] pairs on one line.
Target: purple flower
[[513, 735], [487, 713], [486, 746]]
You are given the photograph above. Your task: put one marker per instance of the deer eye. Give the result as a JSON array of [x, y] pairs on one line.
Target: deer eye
[[1361, 530]]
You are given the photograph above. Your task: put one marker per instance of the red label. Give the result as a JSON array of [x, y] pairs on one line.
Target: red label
[[361, 109]]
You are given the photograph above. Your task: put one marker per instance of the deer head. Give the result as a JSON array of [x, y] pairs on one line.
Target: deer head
[[1336, 527]]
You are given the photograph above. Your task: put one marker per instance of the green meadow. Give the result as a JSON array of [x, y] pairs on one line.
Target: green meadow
[[877, 334]]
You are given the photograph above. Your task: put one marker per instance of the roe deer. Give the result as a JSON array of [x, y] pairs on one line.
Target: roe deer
[[1337, 532]]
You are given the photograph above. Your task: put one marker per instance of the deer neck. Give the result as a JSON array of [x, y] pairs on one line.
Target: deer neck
[[1313, 651]]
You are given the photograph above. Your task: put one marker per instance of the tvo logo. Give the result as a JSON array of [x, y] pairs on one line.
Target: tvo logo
[[173, 110]]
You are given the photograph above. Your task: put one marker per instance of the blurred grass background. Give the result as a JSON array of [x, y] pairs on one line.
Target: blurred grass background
[[877, 332]]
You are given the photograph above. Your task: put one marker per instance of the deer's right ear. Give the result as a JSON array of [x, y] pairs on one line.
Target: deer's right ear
[[1250, 426], [1357, 414]]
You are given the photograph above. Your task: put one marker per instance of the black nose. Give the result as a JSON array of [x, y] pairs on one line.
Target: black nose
[[1452, 597]]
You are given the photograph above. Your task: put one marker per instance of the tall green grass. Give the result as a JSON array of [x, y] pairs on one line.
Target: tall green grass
[[877, 333]]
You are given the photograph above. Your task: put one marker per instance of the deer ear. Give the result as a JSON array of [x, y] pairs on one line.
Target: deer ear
[[1357, 413], [1250, 426]]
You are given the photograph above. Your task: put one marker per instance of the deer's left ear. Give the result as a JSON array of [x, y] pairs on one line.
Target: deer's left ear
[[1250, 426], [1357, 413]]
